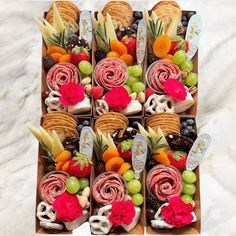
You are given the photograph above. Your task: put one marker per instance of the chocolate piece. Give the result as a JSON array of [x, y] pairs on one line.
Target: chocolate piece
[[71, 143], [179, 142], [76, 41], [48, 63]]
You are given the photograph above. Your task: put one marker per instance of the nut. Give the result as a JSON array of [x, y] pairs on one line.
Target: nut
[[86, 192], [88, 89], [141, 97], [184, 74], [133, 96], [86, 80], [83, 201], [88, 205]]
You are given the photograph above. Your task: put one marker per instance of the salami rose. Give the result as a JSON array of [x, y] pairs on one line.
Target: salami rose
[[61, 74], [164, 182], [109, 187], [52, 185], [159, 72], [110, 73]]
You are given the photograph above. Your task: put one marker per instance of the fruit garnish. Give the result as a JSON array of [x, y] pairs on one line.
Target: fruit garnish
[[161, 45], [189, 177], [130, 42], [85, 67], [137, 199], [100, 54], [192, 79], [124, 148], [178, 43], [134, 186], [72, 185], [65, 58], [136, 71], [76, 40], [127, 59], [113, 54], [79, 54], [64, 156], [114, 164], [179, 57], [138, 87], [57, 49], [160, 156], [109, 153], [124, 167], [178, 159], [149, 92], [118, 47], [97, 92], [129, 175]]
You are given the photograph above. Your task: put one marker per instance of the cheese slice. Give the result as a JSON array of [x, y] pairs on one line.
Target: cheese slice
[[57, 146], [35, 131], [58, 23], [111, 33], [47, 139]]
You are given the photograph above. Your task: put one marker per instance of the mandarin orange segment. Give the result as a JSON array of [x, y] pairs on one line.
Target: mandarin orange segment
[[161, 157], [65, 58], [124, 167], [127, 59], [57, 49], [118, 47], [113, 54], [109, 153], [56, 56], [162, 45], [114, 164]]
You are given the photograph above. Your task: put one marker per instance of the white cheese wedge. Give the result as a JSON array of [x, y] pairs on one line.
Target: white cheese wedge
[[182, 106], [81, 107], [133, 108]]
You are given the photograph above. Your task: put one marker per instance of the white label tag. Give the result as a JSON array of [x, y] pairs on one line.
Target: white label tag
[[86, 141]]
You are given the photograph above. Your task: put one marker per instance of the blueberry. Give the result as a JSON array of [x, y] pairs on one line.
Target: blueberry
[[190, 121], [136, 22], [138, 15], [134, 27], [85, 123], [185, 23], [184, 18], [185, 132], [184, 124], [189, 127], [190, 14], [79, 128], [135, 124]]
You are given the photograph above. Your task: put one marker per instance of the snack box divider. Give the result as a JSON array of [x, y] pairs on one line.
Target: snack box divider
[[40, 174], [192, 110], [44, 86], [140, 227], [193, 228], [144, 67]]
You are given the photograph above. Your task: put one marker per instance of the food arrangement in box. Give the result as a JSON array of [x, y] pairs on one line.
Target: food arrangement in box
[[118, 143], [119, 54], [171, 76]]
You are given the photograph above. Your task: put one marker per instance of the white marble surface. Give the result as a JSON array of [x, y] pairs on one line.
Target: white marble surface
[[20, 51]]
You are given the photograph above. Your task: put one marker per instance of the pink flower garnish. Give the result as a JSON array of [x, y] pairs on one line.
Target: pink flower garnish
[[177, 213], [122, 212], [67, 207], [71, 94], [175, 89], [117, 99]]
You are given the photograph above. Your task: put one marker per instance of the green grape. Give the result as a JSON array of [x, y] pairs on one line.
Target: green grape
[[186, 66], [189, 189], [192, 79], [137, 199], [72, 185], [134, 186], [84, 182], [131, 80], [138, 87], [136, 71], [128, 175], [130, 69], [129, 90], [187, 199], [179, 57], [85, 67], [189, 177]]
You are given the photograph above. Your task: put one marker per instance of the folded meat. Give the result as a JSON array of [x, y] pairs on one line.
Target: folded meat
[[109, 187], [52, 185], [164, 182], [62, 73], [111, 73], [161, 71]]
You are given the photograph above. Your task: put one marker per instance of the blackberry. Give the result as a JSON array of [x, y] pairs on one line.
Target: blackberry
[[151, 58], [100, 54], [153, 203], [151, 163], [76, 41], [100, 167], [150, 213], [48, 63]]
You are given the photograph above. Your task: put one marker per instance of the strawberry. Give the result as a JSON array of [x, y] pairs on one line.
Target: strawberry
[[97, 92], [149, 92], [79, 54], [80, 166], [178, 43], [178, 159], [124, 148], [130, 42]]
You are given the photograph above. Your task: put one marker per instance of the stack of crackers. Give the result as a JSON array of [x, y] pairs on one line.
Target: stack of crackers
[[68, 11], [167, 122], [166, 11], [110, 122], [62, 122], [120, 12]]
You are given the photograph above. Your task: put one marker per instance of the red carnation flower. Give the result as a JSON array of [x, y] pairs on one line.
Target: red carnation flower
[[175, 89], [67, 207], [177, 213], [71, 94], [122, 212], [117, 99]]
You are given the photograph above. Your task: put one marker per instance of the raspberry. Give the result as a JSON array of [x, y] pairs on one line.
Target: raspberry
[[149, 92], [97, 92]]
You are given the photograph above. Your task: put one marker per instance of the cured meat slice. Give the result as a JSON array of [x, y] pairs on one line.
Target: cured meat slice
[[111, 73], [109, 187], [164, 182], [52, 185], [161, 71], [62, 73]]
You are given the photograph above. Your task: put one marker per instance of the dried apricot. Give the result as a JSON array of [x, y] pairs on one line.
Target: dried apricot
[[161, 156], [168, 57], [59, 165], [113, 54], [109, 153], [64, 156], [118, 47], [57, 49], [56, 56], [162, 45], [127, 59], [114, 164], [65, 58], [124, 167], [65, 166]]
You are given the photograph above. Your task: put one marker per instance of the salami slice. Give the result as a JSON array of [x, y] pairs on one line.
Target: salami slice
[[62, 73], [52, 185], [111, 73], [164, 182], [161, 71], [109, 187]]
